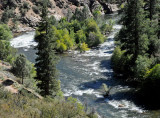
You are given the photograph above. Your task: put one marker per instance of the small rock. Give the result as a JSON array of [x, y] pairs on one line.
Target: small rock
[[121, 105]]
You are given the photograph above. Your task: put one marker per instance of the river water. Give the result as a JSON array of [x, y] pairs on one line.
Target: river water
[[82, 76]]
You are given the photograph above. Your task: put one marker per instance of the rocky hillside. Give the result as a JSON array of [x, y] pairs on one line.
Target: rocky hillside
[[9, 82], [24, 15]]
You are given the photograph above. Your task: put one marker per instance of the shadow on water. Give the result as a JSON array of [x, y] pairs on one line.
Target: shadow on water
[[121, 90], [133, 95]]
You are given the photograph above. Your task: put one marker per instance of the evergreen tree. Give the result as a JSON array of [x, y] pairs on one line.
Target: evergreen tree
[[152, 8], [132, 37], [21, 67], [46, 60]]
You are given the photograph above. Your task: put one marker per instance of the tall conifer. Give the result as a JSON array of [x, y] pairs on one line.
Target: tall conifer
[[132, 37], [46, 60]]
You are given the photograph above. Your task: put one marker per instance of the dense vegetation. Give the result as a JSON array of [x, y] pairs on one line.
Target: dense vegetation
[[27, 106], [6, 51], [136, 56], [79, 30]]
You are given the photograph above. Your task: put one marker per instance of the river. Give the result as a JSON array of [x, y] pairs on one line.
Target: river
[[82, 76]]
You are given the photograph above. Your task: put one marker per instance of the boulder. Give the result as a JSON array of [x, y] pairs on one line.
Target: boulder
[[31, 21], [96, 5]]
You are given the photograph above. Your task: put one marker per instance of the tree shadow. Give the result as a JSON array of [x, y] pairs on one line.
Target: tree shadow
[[7, 82]]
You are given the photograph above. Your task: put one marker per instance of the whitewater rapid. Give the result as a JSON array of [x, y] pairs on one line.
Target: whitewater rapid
[[24, 41]]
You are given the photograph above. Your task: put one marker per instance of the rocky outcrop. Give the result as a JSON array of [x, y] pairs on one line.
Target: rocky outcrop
[[28, 11], [31, 21], [96, 5]]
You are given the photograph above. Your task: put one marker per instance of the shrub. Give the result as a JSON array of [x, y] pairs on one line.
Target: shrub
[[94, 39], [143, 63], [119, 60], [7, 14], [36, 9], [83, 47], [26, 5]]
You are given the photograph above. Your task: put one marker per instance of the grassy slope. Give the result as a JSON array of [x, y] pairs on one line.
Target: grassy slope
[[18, 101]]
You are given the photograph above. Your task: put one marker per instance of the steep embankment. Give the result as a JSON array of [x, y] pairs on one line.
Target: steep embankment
[[24, 15], [9, 82]]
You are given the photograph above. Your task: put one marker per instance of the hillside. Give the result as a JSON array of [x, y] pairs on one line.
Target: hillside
[[24, 15], [19, 101], [10, 83]]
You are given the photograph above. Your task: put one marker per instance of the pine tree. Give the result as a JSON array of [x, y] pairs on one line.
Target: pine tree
[[22, 67], [152, 10], [46, 60], [132, 37]]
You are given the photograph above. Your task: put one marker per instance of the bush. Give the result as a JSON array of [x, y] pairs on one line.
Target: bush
[[80, 37], [106, 28], [26, 5], [7, 53], [143, 63], [91, 26], [5, 33], [7, 14], [94, 39], [83, 47], [36, 9], [118, 60]]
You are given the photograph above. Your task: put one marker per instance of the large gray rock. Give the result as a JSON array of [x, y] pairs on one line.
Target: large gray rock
[[31, 21]]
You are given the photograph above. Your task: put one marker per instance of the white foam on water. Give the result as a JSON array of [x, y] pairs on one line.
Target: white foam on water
[[78, 92], [26, 40], [93, 73], [117, 27], [125, 105], [98, 53]]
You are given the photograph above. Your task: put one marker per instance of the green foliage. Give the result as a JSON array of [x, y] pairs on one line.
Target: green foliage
[[143, 63], [81, 15], [106, 28], [63, 40], [80, 37], [75, 25], [6, 51], [24, 8], [119, 60], [22, 67], [25, 106], [5, 33], [135, 39], [26, 5], [83, 47], [97, 15], [94, 39], [154, 73], [36, 9], [150, 85], [91, 26], [8, 13]]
